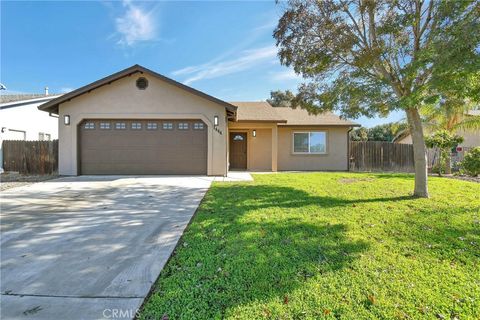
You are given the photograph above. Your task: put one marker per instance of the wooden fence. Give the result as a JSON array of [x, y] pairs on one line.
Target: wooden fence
[[30, 157], [381, 156], [433, 156]]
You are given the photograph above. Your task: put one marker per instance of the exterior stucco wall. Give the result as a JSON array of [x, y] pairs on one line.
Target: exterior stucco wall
[[471, 138], [336, 157], [122, 99], [405, 140], [259, 148]]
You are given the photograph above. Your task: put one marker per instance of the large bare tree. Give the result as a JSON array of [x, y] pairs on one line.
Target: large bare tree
[[369, 57]]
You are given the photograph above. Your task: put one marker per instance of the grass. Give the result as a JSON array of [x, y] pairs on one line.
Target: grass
[[326, 245]]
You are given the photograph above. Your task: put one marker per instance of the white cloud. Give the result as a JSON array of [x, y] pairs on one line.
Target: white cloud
[[247, 59], [285, 75], [135, 25], [65, 89]]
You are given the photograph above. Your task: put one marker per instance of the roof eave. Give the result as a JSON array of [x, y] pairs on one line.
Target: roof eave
[[257, 120], [322, 124]]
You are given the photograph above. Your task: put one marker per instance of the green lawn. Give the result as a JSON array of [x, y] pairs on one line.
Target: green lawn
[[333, 245]]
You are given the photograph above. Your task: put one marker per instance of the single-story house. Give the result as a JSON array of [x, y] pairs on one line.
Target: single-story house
[[137, 121]]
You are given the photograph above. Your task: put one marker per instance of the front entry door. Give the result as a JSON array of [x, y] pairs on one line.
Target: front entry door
[[238, 150]]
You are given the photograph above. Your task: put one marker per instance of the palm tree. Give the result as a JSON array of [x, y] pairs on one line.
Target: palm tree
[[453, 115]]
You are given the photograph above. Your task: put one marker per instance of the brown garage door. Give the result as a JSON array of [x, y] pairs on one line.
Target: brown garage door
[[143, 147]]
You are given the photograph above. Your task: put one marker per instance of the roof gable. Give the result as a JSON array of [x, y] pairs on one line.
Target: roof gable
[[52, 105]]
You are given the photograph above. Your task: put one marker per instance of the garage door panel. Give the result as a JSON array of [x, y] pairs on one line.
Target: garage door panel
[[131, 151]]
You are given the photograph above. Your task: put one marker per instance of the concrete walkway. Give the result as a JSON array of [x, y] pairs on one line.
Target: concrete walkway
[[90, 247], [235, 176]]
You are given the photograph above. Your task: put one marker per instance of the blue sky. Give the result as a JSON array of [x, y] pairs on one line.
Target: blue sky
[[225, 49]]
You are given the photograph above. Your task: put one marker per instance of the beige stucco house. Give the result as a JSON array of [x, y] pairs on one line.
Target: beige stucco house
[[471, 137], [137, 121]]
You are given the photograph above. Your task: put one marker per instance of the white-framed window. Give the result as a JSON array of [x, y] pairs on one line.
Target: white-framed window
[[120, 125], [152, 126], [104, 125], [48, 136], [310, 142], [136, 126], [167, 126], [198, 126], [183, 126], [89, 125], [41, 136]]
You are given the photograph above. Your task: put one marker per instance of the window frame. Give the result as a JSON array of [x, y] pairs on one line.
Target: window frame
[[136, 128], [198, 124], [170, 125], [124, 127], [93, 127], [105, 123], [182, 128], [309, 132], [153, 124]]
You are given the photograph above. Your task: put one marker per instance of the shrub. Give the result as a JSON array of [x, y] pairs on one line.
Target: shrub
[[444, 141], [471, 162], [436, 169]]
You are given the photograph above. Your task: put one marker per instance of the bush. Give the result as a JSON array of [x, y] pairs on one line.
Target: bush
[[436, 169], [471, 162]]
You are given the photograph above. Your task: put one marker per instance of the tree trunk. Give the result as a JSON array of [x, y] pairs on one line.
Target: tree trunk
[[419, 153], [448, 162]]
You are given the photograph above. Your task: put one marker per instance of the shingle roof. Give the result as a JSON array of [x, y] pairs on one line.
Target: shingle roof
[[4, 98], [263, 111], [257, 111]]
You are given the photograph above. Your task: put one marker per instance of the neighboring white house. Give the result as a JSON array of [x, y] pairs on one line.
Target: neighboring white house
[[20, 119]]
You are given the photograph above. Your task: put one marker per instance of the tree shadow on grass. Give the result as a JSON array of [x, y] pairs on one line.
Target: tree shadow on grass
[[227, 259], [268, 196]]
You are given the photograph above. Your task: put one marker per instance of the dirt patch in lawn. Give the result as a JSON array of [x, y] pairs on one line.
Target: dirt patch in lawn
[[353, 180], [465, 178], [13, 180], [458, 177]]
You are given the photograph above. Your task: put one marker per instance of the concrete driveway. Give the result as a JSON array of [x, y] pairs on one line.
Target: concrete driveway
[[90, 247]]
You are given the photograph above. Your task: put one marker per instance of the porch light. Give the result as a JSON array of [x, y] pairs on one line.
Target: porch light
[[215, 121], [254, 133], [66, 120]]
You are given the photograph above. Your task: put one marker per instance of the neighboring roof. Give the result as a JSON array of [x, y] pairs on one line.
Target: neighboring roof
[[401, 135], [17, 100], [52, 106], [5, 98], [263, 111]]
